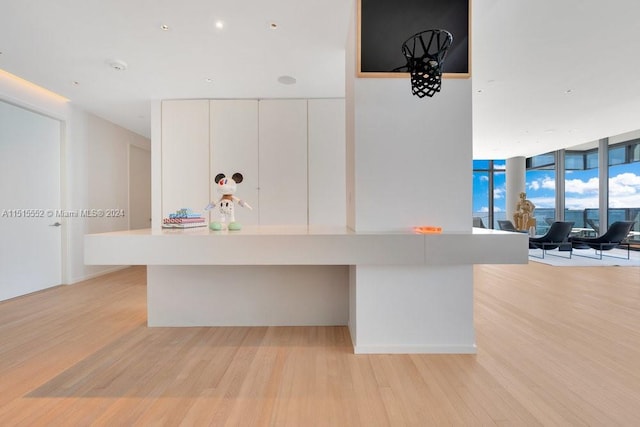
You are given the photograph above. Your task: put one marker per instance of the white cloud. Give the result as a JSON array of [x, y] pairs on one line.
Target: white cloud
[[631, 201], [581, 203], [581, 187], [625, 184], [624, 191], [547, 183], [498, 193], [484, 178], [484, 209]]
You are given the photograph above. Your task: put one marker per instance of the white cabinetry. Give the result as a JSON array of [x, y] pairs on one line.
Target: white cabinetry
[[291, 154], [234, 148], [185, 155], [283, 162], [327, 182]]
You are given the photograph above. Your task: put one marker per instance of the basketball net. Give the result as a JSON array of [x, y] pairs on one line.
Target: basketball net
[[425, 53]]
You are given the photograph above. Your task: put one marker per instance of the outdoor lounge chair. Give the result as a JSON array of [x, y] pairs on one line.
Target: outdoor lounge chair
[[614, 237], [556, 237], [506, 225], [477, 222]]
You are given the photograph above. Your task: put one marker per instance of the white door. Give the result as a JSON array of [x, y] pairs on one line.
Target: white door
[[283, 162], [327, 164], [30, 246], [139, 188], [185, 155], [234, 148]]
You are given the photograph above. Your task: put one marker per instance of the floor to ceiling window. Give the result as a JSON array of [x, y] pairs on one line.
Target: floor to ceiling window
[[481, 190], [499, 191], [541, 189], [489, 191], [581, 187], [624, 185]]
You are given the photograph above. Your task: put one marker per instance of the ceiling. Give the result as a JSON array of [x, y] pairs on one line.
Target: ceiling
[[546, 74]]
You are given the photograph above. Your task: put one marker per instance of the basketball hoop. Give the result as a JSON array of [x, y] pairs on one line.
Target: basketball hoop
[[425, 53]]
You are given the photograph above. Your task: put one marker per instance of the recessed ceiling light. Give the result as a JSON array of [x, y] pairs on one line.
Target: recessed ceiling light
[[208, 80], [75, 83], [219, 25], [568, 91], [287, 80], [273, 25], [118, 65], [164, 27]]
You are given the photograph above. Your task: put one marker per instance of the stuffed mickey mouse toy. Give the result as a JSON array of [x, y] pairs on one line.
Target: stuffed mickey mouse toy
[[227, 187]]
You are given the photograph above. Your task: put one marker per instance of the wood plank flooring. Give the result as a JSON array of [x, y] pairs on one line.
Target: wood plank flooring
[[556, 346]]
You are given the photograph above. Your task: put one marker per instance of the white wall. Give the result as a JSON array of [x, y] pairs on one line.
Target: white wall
[[94, 169], [97, 178], [413, 157]]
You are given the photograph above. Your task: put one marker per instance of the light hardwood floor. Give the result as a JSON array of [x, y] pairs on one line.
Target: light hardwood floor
[[556, 346]]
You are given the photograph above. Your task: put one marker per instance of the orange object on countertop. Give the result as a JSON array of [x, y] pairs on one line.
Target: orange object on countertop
[[426, 229]]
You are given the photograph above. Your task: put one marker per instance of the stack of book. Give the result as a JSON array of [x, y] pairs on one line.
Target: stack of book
[[184, 218]]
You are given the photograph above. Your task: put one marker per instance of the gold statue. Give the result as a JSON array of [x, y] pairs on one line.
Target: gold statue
[[523, 217]]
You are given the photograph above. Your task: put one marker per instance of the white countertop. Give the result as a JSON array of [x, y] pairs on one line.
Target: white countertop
[[303, 245]]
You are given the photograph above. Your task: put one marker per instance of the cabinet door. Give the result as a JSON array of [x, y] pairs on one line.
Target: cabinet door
[[283, 162], [234, 148], [185, 155], [327, 182]]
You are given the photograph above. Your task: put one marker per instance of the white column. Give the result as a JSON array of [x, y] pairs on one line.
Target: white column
[[409, 164], [603, 165], [516, 177], [560, 179]]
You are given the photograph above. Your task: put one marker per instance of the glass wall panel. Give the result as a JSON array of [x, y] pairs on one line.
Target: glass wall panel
[[574, 161], [481, 196], [489, 191], [543, 160], [592, 160], [481, 164], [624, 196], [541, 190], [499, 193], [634, 152], [581, 199], [617, 155]]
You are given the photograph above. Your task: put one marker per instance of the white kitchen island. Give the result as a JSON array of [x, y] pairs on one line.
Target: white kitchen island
[[399, 291]]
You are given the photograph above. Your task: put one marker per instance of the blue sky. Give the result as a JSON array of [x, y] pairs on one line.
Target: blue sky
[[581, 188]]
